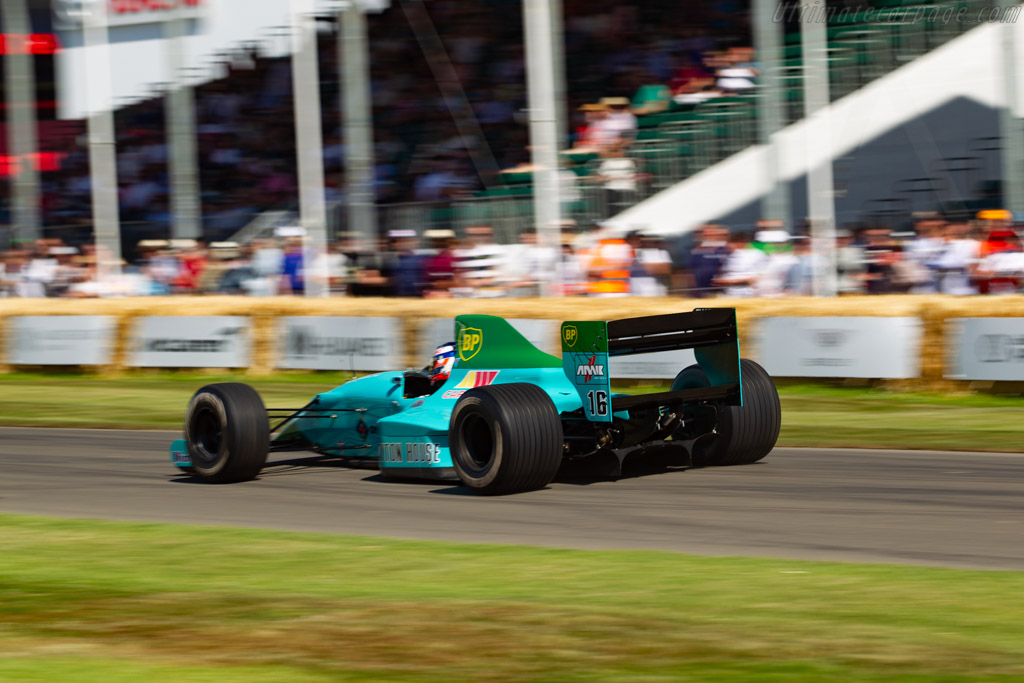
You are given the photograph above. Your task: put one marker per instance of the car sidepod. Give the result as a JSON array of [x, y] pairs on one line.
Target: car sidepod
[[414, 443]]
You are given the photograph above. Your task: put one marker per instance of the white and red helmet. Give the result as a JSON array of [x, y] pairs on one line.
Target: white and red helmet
[[442, 363]]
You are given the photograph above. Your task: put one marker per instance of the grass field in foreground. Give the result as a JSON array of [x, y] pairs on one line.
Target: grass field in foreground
[[812, 414], [105, 601]]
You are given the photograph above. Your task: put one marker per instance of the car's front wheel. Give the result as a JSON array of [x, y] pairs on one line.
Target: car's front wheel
[[227, 433], [505, 438]]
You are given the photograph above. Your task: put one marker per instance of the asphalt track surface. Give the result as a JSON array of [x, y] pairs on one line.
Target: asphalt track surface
[[928, 508]]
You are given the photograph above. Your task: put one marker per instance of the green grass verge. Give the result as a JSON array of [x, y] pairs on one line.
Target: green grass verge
[[145, 401], [813, 414], [109, 601]]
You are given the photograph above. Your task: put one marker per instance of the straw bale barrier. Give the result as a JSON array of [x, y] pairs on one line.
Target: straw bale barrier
[[933, 310]]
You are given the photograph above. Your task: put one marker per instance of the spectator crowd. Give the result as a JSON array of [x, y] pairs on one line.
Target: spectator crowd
[[622, 62], [982, 256], [642, 55]]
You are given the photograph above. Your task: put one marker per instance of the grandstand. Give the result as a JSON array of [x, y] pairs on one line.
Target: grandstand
[[670, 147], [247, 145]]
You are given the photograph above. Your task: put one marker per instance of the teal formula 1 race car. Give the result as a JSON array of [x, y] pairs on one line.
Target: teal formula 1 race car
[[509, 415]]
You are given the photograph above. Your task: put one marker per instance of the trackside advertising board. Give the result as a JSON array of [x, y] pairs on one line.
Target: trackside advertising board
[[216, 341], [436, 331], [985, 349], [883, 348], [341, 343], [60, 339]]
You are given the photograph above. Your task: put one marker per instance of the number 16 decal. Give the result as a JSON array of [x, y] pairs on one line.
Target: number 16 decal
[[598, 402]]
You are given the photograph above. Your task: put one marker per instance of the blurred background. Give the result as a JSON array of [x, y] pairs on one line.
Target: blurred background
[[443, 148]]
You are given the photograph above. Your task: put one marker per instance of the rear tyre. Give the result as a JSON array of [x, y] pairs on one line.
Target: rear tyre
[[505, 438], [227, 433], [747, 433]]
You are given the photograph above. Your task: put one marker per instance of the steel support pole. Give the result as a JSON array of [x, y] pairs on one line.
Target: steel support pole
[[102, 153], [309, 147], [821, 209], [357, 121], [179, 111], [540, 81], [775, 205], [1010, 121], [558, 64], [22, 142]]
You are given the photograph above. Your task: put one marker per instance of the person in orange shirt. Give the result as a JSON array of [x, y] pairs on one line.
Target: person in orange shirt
[[608, 268]]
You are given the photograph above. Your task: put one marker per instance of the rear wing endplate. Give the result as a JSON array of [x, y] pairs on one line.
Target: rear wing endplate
[[588, 345]]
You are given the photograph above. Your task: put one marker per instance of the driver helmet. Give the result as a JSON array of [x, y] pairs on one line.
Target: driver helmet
[[442, 363]]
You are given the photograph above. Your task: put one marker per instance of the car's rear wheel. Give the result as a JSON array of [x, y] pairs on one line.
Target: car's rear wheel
[[744, 434], [505, 438], [227, 433]]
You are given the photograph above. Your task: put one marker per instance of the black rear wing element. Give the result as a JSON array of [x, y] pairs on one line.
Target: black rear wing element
[[587, 347]]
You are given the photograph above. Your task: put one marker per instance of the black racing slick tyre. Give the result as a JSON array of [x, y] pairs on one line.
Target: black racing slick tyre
[[505, 438], [744, 434], [227, 433]]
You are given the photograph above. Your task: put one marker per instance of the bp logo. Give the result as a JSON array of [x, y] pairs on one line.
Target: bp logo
[[569, 335], [469, 342]]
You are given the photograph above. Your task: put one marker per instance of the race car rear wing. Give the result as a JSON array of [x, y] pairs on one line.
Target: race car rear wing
[[588, 346]]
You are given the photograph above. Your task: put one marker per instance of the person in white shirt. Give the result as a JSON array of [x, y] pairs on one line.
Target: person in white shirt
[[652, 266], [480, 267], [597, 132], [925, 249], [777, 264], [619, 118], [574, 272], [957, 262], [40, 272], [743, 268], [528, 266], [617, 174]]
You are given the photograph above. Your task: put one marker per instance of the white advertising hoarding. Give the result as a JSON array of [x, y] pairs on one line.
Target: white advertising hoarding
[[335, 343], [986, 349], [867, 347], [541, 333], [60, 339], [216, 341]]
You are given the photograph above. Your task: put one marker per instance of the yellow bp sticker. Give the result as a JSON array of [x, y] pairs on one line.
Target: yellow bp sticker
[[469, 342], [569, 335]]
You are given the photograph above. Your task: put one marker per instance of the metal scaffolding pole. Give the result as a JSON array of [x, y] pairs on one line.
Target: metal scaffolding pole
[[309, 147], [357, 118], [1010, 122], [102, 153], [179, 110], [541, 83], [821, 209], [558, 64], [21, 118], [775, 205]]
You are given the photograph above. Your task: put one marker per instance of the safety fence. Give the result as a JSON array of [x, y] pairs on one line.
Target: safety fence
[[911, 341]]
